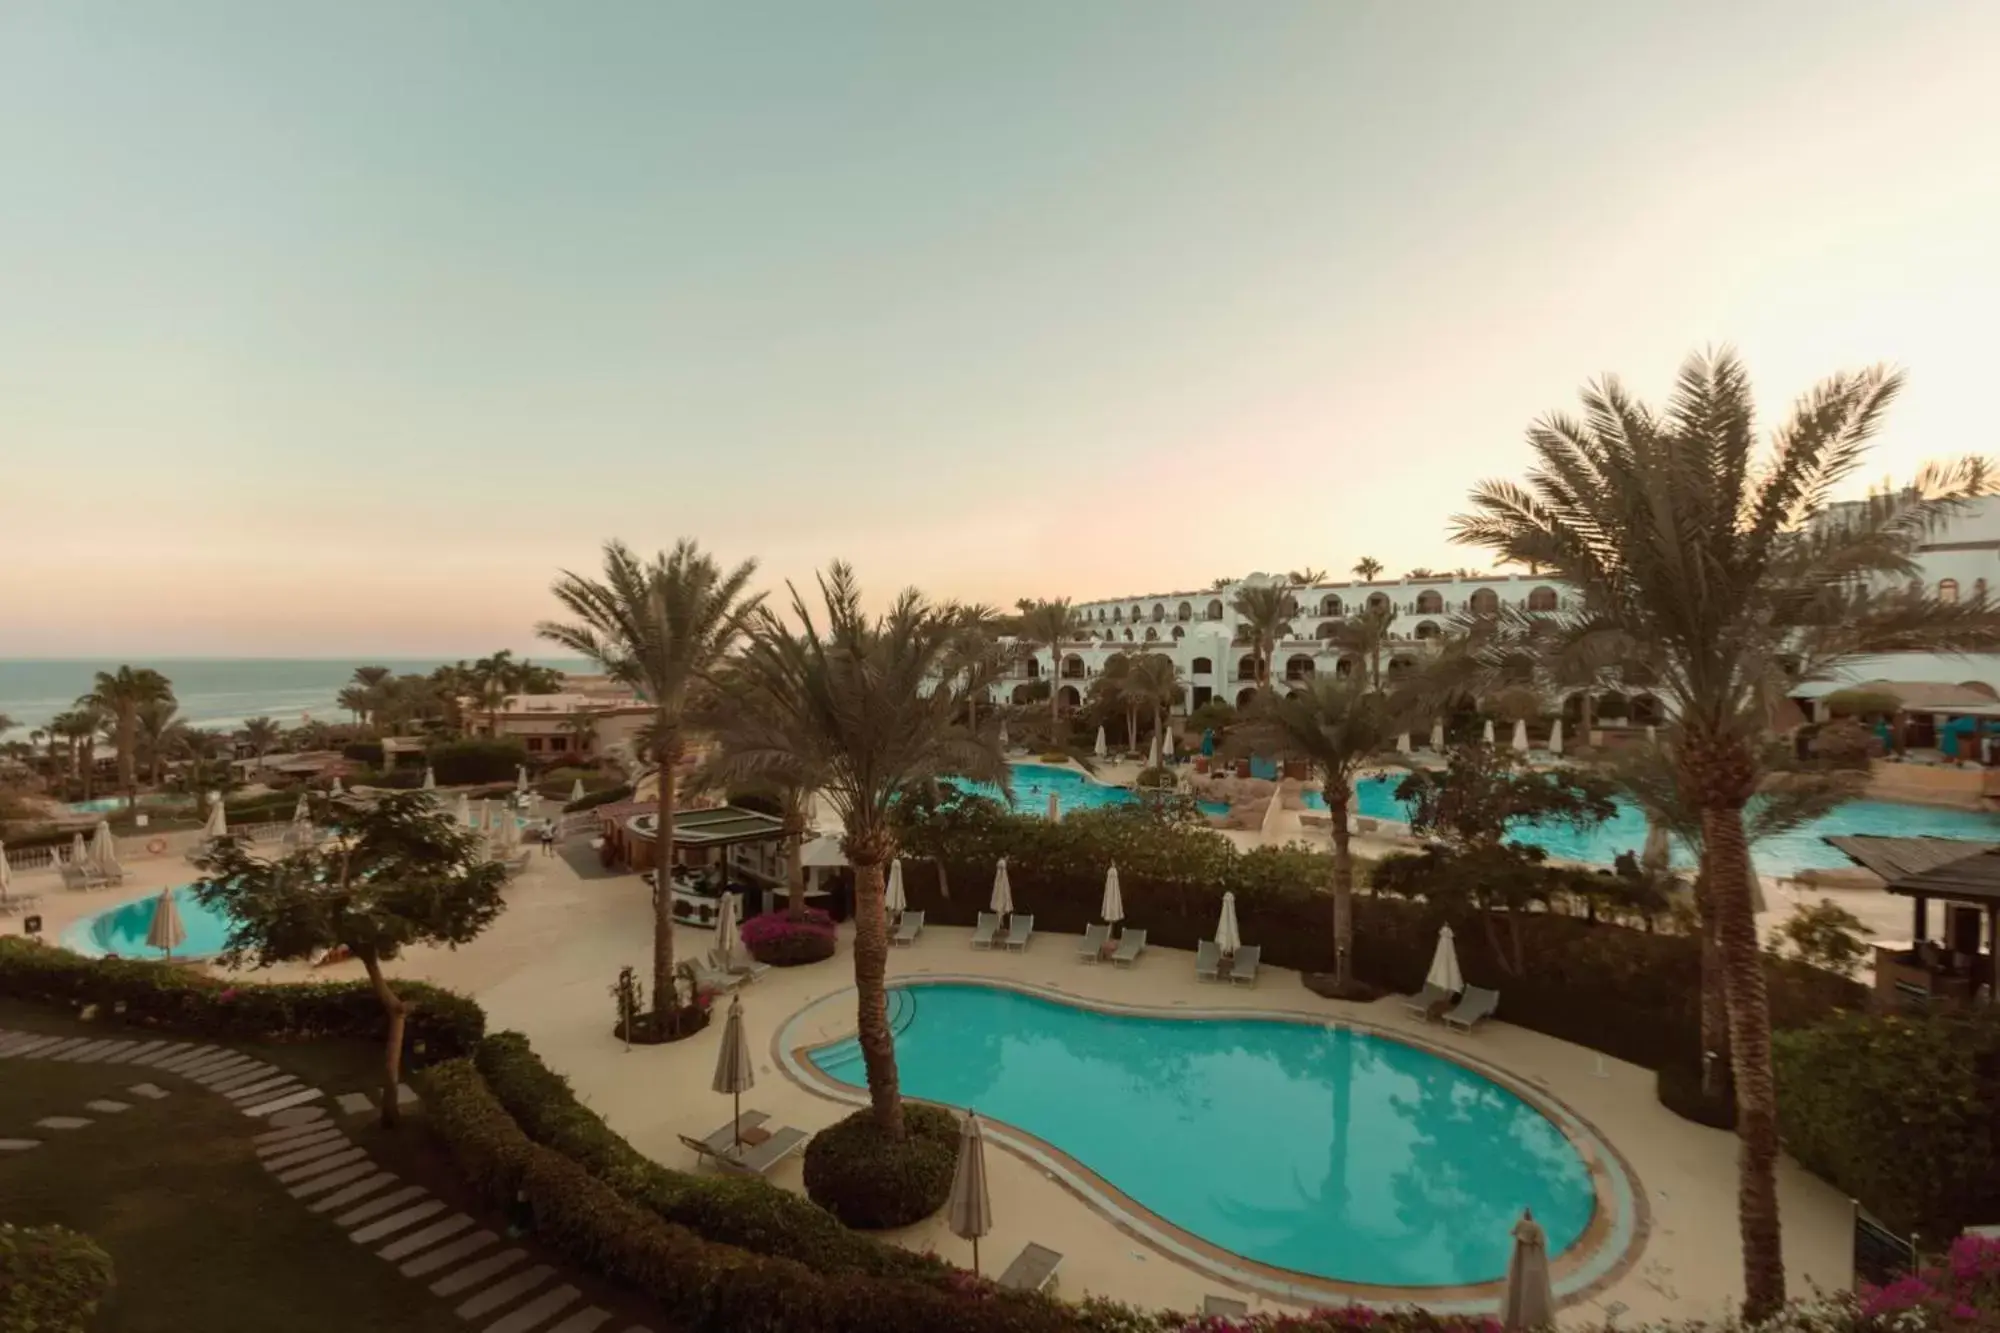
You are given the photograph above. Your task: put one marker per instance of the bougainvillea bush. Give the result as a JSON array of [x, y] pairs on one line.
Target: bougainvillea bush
[[784, 941]]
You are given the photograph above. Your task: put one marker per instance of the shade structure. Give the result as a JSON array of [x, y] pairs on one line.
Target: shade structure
[[1274, 813], [894, 899], [430, 778], [1530, 1302], [1444, 973], [1153, 753], [734, 1074], [1167, 744], [104, 850], [1403, 743], [166, 933], [1486, 732], [1112, 909], [1556, 737], [337, 789], [1437, 737], [464, 811], [1520, 735], [1055, 807], [969, 1210], [1102, 748], [217, 824], [1657, 852], [1003, 892], [1227, 937], [576, 791], [728, 942], [1003, 733]]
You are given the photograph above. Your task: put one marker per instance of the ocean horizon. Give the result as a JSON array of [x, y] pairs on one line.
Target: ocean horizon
[[212, 691]]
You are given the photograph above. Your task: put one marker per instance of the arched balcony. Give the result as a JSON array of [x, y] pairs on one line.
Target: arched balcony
[[1246, 667], [1202, 666], [1298, 667], [1430, 602], [1327, 629], [1330, 605], [1215, 609], [1185, 611], [1072, 668], [1428, 630], [1484, 602], [1543, 599]]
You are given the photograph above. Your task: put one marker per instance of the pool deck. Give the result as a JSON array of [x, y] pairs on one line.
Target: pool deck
[[544, 968]]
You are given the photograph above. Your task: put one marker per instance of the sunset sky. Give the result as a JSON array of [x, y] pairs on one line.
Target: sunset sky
[[343, 328]]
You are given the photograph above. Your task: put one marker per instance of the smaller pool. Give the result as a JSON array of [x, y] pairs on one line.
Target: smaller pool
[[122, 930], [1035, 783], [102, 805]]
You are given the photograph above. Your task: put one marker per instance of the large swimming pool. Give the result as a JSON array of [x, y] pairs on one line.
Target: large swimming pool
[[122, 929], [1802, 848], [1320, 1150], [1035, 783]]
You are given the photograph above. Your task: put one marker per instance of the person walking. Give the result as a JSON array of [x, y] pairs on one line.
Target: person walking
[[548, 837]]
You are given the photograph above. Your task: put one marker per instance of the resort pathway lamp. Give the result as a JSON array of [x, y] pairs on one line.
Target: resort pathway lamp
[[970, 1209]]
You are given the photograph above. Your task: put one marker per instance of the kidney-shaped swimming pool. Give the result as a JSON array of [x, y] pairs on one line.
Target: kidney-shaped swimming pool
[[1318, 1149]]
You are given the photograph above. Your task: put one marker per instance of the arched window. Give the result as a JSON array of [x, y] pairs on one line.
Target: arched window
[[1072, 667], [1298, 667], [1246, 668], [1100, 615], [1947, 590], [1202, 666], [1020, 694], [1031, 667], [1400, 666], [1485, 602], [1378, 601], [1646, 711], [1128, 636], [1179, 633], [1117, 615], [1215, 609], [1159, 612], [1345, 667], [1185, 611], [1427, 630], [1152, 635], [1138, 613], [1067, 697], [1430, 602], [1327, 629], [1329, 605], [1542, 599]]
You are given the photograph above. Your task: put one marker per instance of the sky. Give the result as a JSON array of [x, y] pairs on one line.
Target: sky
[[332, 329]]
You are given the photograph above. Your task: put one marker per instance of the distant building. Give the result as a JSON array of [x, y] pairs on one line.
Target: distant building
[[598, 719]]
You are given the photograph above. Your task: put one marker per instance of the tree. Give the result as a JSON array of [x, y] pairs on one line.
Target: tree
[[582, 725], [1052, 623], [1336, 726], [1719, 564], [1365, 634], [357, 700], [661, 627], [160, 728], [403, 872], [263, 734], [7, 724], [868, 709], [1152, 685], [491, 696], [1366, 568], [1266, 610], [1421, 572], [120, 694], [1305, 578]]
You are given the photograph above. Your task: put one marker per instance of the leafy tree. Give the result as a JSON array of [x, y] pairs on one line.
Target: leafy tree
[[1266, 610], [119, 695], [1305, 578], [263, 734], [1721, 567], [868, 709], [1825, 935], [1052, 624], [1366, 568], [160, 727], [661, 627], [402, 872], [356, 700], [1365, 634]]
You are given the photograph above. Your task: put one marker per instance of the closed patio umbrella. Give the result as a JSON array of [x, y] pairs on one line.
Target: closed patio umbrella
[[1153, 753], [1403, 743], [217, 824], [336, 785], [1530, 1303], [430, 778], [302, 812], [1003, 733], [1521, 735], [1274, 813], [1444, 973], [1113, 907], [1055, 807], [484, 822], [576, 791], [733, 1072], [79, 855], [1003, 892], [727, 941], [165, 932], [1556, 737], [1486, 732], [970, 1208], [521, 779], [1227, 937], [1102, 748], [894, 900], [1167, 745], [464, 811], [104, 850], [1657, 852], [508, 835], [1437, 737], [6, 873]]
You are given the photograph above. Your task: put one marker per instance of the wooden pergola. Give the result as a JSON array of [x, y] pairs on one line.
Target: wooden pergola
[[1963, 874]]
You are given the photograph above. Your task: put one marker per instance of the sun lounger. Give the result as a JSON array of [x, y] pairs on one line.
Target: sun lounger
[[708, 977], [988, 927], [72, 876], [1092, 947], [742, 965], [1020, 929], [1033, 1269], [1243, 967], [19, 902], [1130, 945], [1477, 1003], [724, 1139], [907, 930], [758, 1160], [1429, 998], [1207, 961]]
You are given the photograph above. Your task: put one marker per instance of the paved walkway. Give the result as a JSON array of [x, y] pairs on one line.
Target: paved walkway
[[497, 1287]]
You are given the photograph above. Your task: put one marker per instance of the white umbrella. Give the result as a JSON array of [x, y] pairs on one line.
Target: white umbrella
[[893, 899], [1003, 733], [217, 825], [6, 871], [1444, 973], [1437, 737], [507, 836], [430, 778], [727, 940], [484, 821], [969, 1211], [1521, 735], [1055, 807], [1003, 892], [1113, 907], [1403, 743], [1102, 748], [521, 778], [1167, 745], [1274, 813], [1153, 754], [1530, 1303], [302, 812], [104, 850], [78, 853], [464, 811], [1656, 853], [734, 1073], [576, 791], [1486, 732], [1556, 737], [166, 932], [1227, 937], [336, 785]]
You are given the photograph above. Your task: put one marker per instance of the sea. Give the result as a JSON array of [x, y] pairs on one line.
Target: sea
[[212, 691]]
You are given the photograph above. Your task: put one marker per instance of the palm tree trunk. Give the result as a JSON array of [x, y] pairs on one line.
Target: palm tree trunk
[[392, 1050], [1336, 793], [871, 962], [128, 755], [795, 860], [1588, 715], [665, 995], [1714, 997], [1725, 788]]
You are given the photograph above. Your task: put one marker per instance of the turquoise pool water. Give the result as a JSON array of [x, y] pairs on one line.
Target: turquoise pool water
[[102, 805], [122, 929], [1801, 849], [1033, 784], [1327, 1152]]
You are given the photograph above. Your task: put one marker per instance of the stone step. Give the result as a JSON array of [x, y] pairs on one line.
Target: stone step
[[394, 1222], [263, 1090], [313, 1136], [360, 1189], [151, 1091], [19, 1145], [254, 1072], [376, 1207], [587, 1320], [114, 1052], [506, 1289], [444, 1256], [62, 1122], [75, 1053], [293, 1117], [301, 1153], [536, 1312], [333, 1180], [444, 1229], [477, 1272], [291, 1101], [105, 1106], [307, 1170]]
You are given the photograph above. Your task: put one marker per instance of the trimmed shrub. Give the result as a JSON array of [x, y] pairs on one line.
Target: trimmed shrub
[[1678, 1086], [609, 796], [1901, 1113], [867, 1181], [457, 763], [776, 939], [363, 752], [440, 1025], [51, 1279]]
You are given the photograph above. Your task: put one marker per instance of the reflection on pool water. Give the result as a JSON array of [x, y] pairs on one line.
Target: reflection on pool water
[[1034, 783], [1329, 1152], [122, 930], [1802, 848]]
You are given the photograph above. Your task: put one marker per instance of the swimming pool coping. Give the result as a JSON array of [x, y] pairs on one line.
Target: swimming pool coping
[[78, 937], [1606, 1249]]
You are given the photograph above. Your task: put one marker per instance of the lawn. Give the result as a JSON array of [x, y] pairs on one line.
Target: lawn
[[203, 1239]]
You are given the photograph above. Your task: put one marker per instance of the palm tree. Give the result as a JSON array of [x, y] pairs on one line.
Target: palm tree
[[1266, 610], [120, 693], [866, 709], [1152, 682], [661, 627], [582, 724], [1715, 562], [1421, 572], [1305, 578], [160, 726], [1051, 623], [7, 724], [1366, 568], [357, 700], [263, 734], [1336, 725], [1365, 634], [368, 677]]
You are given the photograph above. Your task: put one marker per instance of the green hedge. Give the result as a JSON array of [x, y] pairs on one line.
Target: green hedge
[[441, 1025], [866, 1181], [591, 800], [457, 763], [51, 1279], [1900, 1113]]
